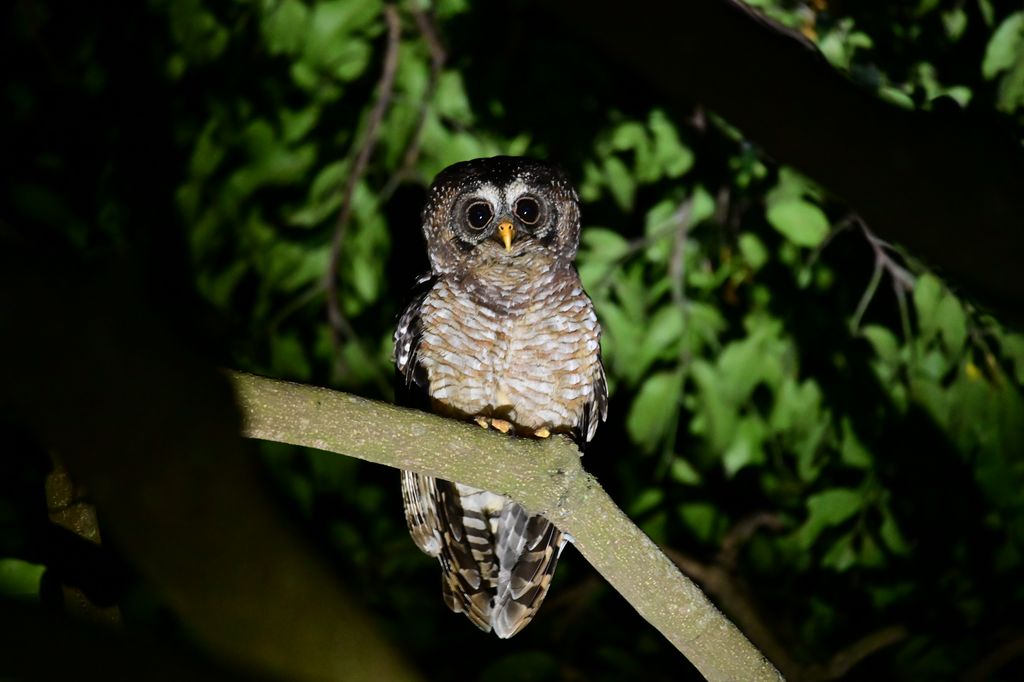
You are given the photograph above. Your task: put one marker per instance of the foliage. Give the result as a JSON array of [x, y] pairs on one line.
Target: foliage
[[766, 351]]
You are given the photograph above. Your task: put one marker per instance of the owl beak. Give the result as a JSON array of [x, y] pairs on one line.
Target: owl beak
[[506, 232]]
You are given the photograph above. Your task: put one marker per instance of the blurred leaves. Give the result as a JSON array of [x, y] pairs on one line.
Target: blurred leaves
[[20, 579], [1004, 58]]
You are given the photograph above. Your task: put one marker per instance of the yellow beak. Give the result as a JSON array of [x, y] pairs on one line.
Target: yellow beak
[[506, 231]]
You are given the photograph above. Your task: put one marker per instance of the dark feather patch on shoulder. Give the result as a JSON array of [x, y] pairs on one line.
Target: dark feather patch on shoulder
[[411, 384]]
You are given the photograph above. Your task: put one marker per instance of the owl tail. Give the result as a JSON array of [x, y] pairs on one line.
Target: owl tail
[[496, 559], [527, 548]]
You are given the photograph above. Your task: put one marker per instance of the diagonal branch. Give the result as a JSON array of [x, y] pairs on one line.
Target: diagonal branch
[[385, 88], [543, 475]]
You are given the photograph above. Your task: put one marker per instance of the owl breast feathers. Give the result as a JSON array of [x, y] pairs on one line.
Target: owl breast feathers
[[501, 332]]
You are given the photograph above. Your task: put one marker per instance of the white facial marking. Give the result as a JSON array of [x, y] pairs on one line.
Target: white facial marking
[[491, 194], [514, 190]]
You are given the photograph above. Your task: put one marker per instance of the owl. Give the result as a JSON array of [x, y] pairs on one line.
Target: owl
[[499, 332]]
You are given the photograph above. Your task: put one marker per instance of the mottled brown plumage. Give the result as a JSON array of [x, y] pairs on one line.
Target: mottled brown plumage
[[499, 331]]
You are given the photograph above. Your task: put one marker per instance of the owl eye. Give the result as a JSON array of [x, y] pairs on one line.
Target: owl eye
[[479, 214], [527, 210]]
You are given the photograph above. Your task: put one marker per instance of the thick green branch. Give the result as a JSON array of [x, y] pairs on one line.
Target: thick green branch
[[545, 476]]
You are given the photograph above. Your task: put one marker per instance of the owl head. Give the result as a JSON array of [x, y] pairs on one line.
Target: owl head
[[498, 210]]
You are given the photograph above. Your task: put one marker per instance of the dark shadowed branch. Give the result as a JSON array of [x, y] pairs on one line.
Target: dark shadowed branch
[[150, 430], [946, 186]]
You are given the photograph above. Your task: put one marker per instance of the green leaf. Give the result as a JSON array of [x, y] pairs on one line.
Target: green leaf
[[628, 136], [753, 251], [826, 509], [952, 323], [20, 579], [295, 125], [715, 414], [207, 153], [197, 31], [672, 156], [797, 406], [747, 445], [793, 185], [927, 296], [841, 555], [934, 398], [851, 451], [604, 245], [701, 518], [647, 500], [334, 20], [450, 98], [1013, 347], [802, 223], [891, 535], [884, 342], [702, 207], [620, 182], [683, 472], [654, 410], [288, 357], [631, 289], [621, 338], [1006, 46], [285, 27], [807, 447], [988, 14], [955, 22], [325, 195], [658, 224], [664, 333], [896, 97]]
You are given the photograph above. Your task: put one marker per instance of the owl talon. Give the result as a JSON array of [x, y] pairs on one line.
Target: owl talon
[[542, 432], [482, 421], [501, 425]]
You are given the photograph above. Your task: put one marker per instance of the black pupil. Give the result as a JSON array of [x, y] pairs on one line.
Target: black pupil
[[527, 210], [479, 215]]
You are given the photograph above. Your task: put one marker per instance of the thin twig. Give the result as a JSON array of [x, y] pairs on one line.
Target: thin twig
[[677, 261], [865, 299], [997, 659], [741, 533], [637, 244], [902, 279], [900, 275], [438, 56], [295, 305], [844, 224], [385, 88], [847, 657], [677, 283], [720, 579]]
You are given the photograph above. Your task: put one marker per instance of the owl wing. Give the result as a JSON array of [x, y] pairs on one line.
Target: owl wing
[[412, 387], [596, 409]]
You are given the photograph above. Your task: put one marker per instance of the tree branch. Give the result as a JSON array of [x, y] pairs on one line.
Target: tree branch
[[544, 475], [150, 429], [385, 88], [945, 186]]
